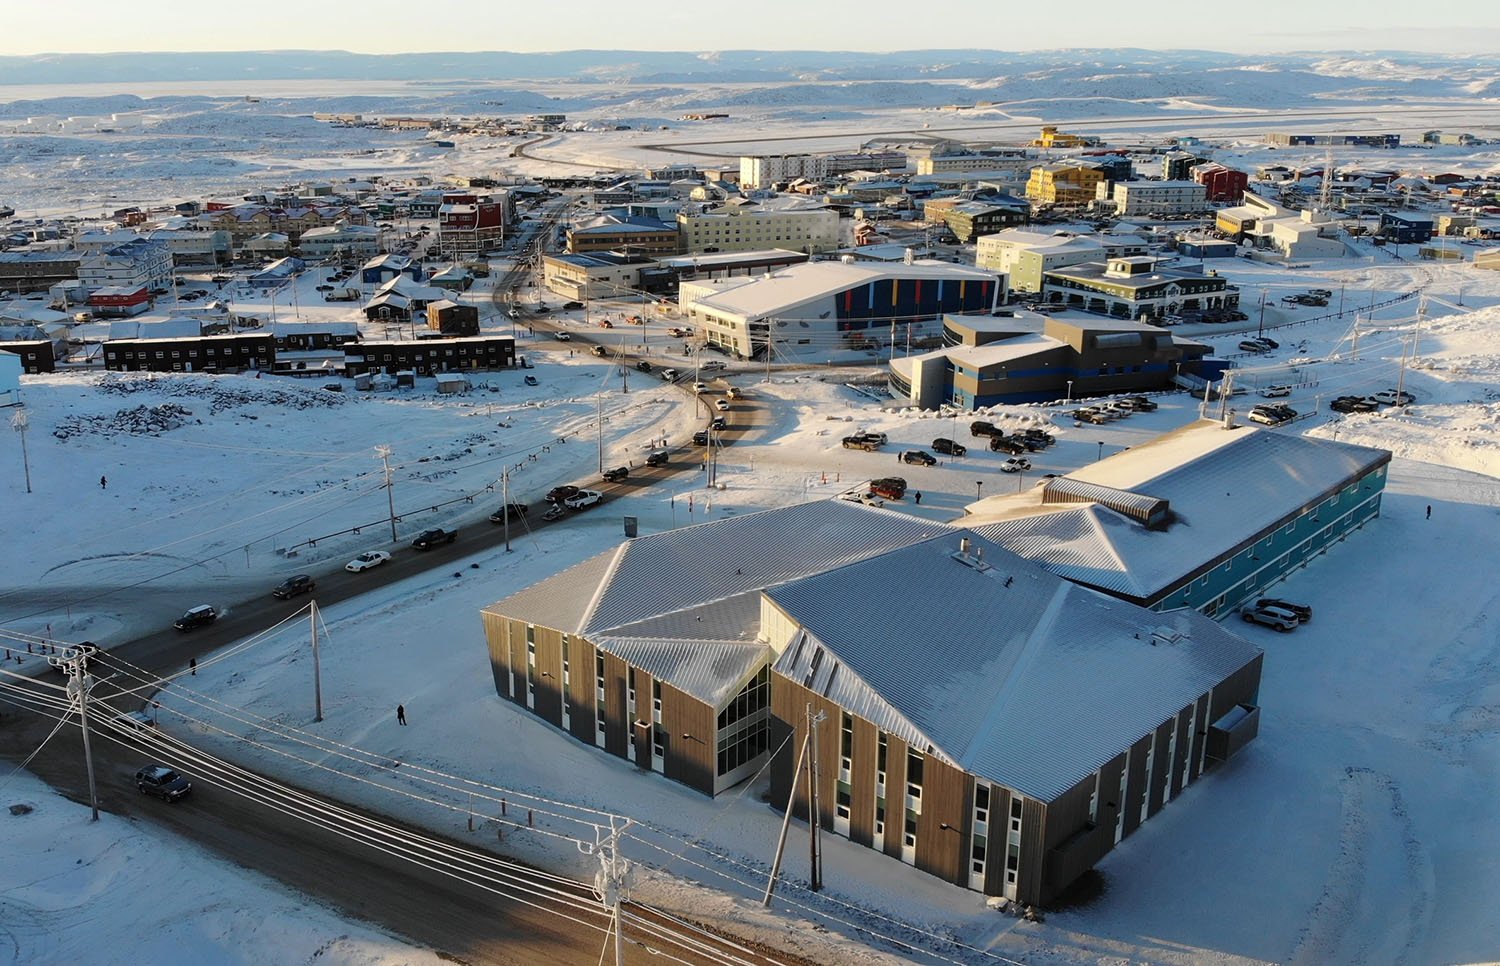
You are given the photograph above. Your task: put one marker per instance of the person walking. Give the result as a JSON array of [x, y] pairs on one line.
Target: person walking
[[193, 666], [103, 483], [1429, 511], [401, 714], [919, 498]]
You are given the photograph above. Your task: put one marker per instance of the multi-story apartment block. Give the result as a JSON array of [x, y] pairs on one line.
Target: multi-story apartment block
[[744, 225], [1158, 197], [1070, 183], [761, 172]]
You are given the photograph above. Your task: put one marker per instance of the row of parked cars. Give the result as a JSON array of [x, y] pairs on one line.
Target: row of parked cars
[[1259, 343], [1107, 412], [1272, 414], [1368, 404], [1277, 614]]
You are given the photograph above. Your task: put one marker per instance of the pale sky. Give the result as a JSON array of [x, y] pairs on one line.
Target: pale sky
[[394, 26]]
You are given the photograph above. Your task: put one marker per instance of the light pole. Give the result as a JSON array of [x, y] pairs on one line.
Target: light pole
[[1101, 452], [384, 452], [978, 486], [1069, 400], [21, 422]]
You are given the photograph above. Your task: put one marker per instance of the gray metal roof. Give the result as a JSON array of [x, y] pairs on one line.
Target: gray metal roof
[[1224, 487], [1009, 672]]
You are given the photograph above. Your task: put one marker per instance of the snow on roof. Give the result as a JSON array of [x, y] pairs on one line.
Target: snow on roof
[[1004, 350], [283, 329], [994, 665], [795, 285], [1224, 487], [1043, 241]]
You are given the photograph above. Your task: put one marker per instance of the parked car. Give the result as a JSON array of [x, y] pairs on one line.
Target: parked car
[[1273, 415], [918, 457], [1272, 617], [1250, 345], [1139, 403], [560, 493], [657, 457], [980, 427], [428, 539], [949, 447], [531, 380], [889, 487], [861, 442], [1090, 416], [722, 405], [1275, 392], [199, 616], [1267, 341], [616, 474], [1040, 435], [517, 511], [163, 782], [1015, 464], [878, 438], [583, 499], [366, 560], [295, 586], [1394, 397], [1353, 404], [1005, 444], [1302, 612]]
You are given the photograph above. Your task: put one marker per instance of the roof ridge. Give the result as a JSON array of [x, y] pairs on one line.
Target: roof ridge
[[600, 588]]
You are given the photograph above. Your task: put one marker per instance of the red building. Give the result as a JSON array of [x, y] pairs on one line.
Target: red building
[[120, 300], [469, 226], [1221, 183]]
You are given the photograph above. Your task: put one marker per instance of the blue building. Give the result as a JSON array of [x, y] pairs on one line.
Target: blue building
[[1405, 228], [383, 268], [1201, 518]]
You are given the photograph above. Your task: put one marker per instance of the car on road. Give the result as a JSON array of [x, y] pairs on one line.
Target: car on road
[[1275, 392], [606, 324], [541, 310], [532, 381], [562, 336], [722, 405], [678, 333], [583, 499], [199, 616], [616, 474], [670, 375], [600, 351], [513, 313], [560, 493], [1015, 464], [700, 438], [949, 447], [1272, 617], [1394, 397], [643, 366], [719, 422], [657, 457], [919, 457], [713, 365], [367, 560], [134, 720], [295, 587], [517, 511], [700, 387], [163, 782], [735, 392], [1302, 612], [570, 306], [428, 539]]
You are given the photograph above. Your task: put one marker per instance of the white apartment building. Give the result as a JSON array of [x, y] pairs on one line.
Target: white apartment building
[[132, 264], [1026, 256], [948, 163], [761, 172], [1158, 197], [340, 239], [195, 246], [744, 225]]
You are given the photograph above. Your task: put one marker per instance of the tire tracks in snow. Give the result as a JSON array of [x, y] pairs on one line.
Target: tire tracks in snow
[[1355, 920]]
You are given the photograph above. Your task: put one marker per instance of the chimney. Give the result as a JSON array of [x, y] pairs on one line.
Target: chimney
[[963, 545]]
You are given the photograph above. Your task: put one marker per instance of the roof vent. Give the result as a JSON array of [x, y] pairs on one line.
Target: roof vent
[[1167, 635]]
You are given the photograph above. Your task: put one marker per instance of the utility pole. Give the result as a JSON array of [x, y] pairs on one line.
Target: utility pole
[[74, 663], [312, 620], [505, 507], [612, 882], [815, 823], [1354, 350], [21, 422], [384, 452], [786, 820], [601, 434]]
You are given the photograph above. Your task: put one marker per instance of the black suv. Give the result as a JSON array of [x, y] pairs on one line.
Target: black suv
[[200, 616], [163, 782], [657, 457], [517, 510], [981, 428], [949, 447], [1004, 444], [293, 586], [919, 457], [616, 475], [428, 539]]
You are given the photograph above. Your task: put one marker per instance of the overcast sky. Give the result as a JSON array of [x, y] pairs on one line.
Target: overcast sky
[[392, 26]]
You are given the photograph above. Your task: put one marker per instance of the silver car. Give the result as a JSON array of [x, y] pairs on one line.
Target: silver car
[[1272, 617]]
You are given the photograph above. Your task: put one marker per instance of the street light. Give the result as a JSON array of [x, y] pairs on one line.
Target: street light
[[1101, 452], [978, 485], [1070, 392], [21, 422]]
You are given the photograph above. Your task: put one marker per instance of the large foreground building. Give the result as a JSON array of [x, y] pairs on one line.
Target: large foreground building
[[986, 721]]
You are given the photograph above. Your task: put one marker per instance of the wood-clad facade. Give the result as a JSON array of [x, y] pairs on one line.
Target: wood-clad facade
[[980, 834]]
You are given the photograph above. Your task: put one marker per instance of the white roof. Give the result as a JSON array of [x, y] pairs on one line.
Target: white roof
[[994, 665], [1224, 487], [795, 285], [1004, 350]]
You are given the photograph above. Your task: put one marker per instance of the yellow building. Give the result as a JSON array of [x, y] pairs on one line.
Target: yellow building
[[1051, 137], [1063, 184]]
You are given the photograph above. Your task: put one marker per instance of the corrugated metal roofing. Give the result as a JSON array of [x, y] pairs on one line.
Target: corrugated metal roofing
[[1072, 541], [710, 671], [1137, 506], [1010, 672]]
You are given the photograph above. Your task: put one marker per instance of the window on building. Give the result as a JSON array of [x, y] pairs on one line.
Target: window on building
[[744, 724], [914, 781]]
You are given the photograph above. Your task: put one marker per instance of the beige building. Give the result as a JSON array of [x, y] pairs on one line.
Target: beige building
[[1158, 197], [1025, 256], [593, 276], [747, 225]]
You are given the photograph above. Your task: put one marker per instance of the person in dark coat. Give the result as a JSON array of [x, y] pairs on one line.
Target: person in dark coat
[[401, 714], [193, 666], [919, 498], [104, 485], [1429, 511]]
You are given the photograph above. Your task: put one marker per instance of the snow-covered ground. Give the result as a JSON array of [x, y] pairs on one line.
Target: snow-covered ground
[[75, 891], [1341, 836]]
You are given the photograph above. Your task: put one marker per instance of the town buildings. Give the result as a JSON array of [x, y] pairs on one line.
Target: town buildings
[[614, 233], [340, 241], [1137, 287], [746, 225], [1067, 183], [765, 170], [470, 226], [1157, 197], [136, 263]]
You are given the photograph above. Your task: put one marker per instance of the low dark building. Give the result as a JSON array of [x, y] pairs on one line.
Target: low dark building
[[208, 353], [298, 336], [23, 272], [37, 355], [427, 357], [1405, 228], [453, 318]]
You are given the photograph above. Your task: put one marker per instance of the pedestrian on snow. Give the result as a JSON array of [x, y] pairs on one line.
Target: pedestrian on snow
[[104, 485], [193, 666], [401, 714], [919, 498], [1429, 511]]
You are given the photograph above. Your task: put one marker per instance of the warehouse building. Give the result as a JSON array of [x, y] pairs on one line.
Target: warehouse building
[[695, 653], [1203, 517]]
